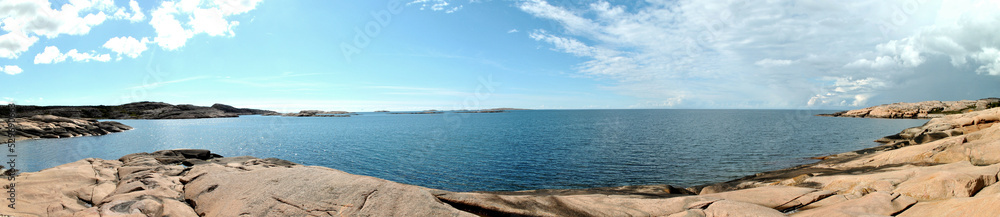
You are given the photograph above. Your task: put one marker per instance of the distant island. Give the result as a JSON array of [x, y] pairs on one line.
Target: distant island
[[315, 113], [137, 110], [492, 110], [41, 122], [434, 111], [926, 109]]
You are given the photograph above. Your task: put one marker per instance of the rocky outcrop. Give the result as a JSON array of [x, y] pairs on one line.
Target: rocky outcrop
[[943, 127], [926, 109], [240, 111], [49, 126], [956, 175], [137, 110], [946, 176], [317, 113]]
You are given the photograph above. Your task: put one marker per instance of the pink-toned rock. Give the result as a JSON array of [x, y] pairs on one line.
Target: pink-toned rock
[[989, 190], [926, 109], [63, 190], [877, 203], [985, 206], [960, 179], [778, 197], [731, 208], [949, 183], [217, 190]]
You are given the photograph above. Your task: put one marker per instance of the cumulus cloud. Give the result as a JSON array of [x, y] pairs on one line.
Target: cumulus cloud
[[435, 5], [135, 15], [52, 55], [14, 43], [970, 38], [126, 46], [737, 54], [202, 17], [11, 69]]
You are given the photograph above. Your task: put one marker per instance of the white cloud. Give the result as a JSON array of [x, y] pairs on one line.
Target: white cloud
[[568, 45], [26, 20], [230, 7], [436, 5], [732, 53], [11, 69], [202, 17], [211, 22], [126, 46], [768, 62], [512, 31], [14, 43], [52, 55], [990, 57], [135, 16], [170, 34], [970, 33]]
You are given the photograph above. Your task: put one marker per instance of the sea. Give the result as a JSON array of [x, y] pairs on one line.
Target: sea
[[515, 150]]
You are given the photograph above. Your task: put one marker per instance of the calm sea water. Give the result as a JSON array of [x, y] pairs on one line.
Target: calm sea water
[[518, 150]]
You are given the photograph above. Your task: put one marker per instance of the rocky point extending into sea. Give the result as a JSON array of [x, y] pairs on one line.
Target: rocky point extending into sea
[[49, 126], [41, 122], [926, 109], [947, 167]]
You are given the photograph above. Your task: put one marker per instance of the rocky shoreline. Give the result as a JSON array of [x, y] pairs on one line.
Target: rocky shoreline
[[947, 167], [137, 110], [49, 126], [926, 109]]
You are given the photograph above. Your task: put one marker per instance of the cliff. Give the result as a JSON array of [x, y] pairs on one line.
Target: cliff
[[926, 109], [137, 110]]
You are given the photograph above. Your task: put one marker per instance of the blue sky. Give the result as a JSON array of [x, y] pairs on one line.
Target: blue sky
[[450, 54]]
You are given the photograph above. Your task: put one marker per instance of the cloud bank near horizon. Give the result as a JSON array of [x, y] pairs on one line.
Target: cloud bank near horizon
[[780, 54]]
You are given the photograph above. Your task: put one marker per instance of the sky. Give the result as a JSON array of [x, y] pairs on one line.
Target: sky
[[461, 54]]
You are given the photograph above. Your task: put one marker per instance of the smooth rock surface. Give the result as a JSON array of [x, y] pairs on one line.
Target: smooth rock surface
[[49, 126], [926, 109]]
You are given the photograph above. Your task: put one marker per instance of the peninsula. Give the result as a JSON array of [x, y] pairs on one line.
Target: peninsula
[[138, 110]]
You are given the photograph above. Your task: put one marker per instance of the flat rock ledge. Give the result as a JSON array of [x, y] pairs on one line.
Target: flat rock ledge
[[49, 126], [952, 176], [926, 109]]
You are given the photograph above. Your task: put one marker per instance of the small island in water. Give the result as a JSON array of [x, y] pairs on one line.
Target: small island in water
[[946, 167]]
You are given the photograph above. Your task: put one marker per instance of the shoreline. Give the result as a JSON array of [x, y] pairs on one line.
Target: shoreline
[[936, 169]]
